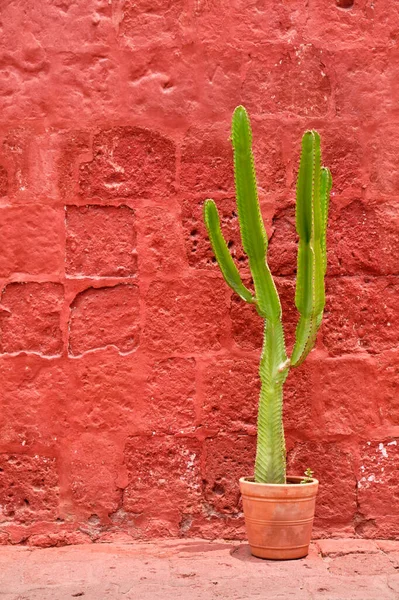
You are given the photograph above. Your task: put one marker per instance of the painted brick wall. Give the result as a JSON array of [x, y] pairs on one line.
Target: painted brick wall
[[128, 370]]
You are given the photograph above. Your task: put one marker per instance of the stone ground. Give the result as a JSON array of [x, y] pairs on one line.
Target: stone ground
[[197, 569]]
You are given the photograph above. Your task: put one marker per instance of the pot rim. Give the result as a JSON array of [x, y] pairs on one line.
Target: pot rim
[[250, 481]]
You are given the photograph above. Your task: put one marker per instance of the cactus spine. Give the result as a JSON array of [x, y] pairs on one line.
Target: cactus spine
[[313, 190]]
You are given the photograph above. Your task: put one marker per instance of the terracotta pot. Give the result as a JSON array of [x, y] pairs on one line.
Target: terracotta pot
[[279, 518]]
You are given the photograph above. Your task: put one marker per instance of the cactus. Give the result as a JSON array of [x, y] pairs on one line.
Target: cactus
[[313, 190]]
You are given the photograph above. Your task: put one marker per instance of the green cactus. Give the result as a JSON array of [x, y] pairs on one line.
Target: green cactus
[[313, 190]]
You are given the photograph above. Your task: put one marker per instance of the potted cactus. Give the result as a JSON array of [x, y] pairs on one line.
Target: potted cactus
[[278, 510]]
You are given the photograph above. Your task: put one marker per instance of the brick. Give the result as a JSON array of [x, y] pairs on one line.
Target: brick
[[247, 325], [34, 395], [272, 167], [198, 247], [30, 318], [24, 89], [341, 384], [160, 81], [222, 73], [185, 315], [366, 80], [105, 316], [332, 466], [101, 241], [275, 67], [339, 28], [343, 153], [164, 481], [28, 488], [90, 466], [249, 23], [3, 181], [162, 245], [361, 313], [299, 396], [387, 377], [51, 540], [31, 157], [31, 239], [210, 526], [207, 162], [282, 251], [74, 145], [386, 20], [86, 82], [129, 162], [16, 148], [61, 28], [144, 20], [42, 155], [106, 392], [377, 479], [157, 67], [367, 526], [286, 290], [35, 40], [231, 394], [227, 459], [170, 396], [374, 239], [384, 147], [379, 527]]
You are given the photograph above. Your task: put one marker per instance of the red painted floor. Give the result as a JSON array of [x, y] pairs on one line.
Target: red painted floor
[[199, 570]]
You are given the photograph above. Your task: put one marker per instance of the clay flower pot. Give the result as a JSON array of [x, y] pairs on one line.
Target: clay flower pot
[[279, 517]]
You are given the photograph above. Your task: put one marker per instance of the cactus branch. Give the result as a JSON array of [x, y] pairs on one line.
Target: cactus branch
[[313, 187], [325, 188], [222, 254], [253, 234]]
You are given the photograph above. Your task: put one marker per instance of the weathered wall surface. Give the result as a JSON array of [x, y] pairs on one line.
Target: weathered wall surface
[[128, 370]]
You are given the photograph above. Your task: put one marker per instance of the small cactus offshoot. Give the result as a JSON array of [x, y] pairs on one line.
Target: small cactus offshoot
[[312, 199], [308, 476]]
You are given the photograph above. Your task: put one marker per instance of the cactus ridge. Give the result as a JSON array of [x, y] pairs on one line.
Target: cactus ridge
[[313, 190]]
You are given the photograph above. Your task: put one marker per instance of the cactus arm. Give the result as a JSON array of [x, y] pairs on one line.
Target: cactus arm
[[325, 188], [222, 254], [270, 463], [313, 186], [253, 234]]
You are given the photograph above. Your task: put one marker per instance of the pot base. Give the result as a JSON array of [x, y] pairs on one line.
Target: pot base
[[280, 553], [279, 517]]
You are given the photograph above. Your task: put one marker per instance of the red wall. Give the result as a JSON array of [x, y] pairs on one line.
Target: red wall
[[128, 370]]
